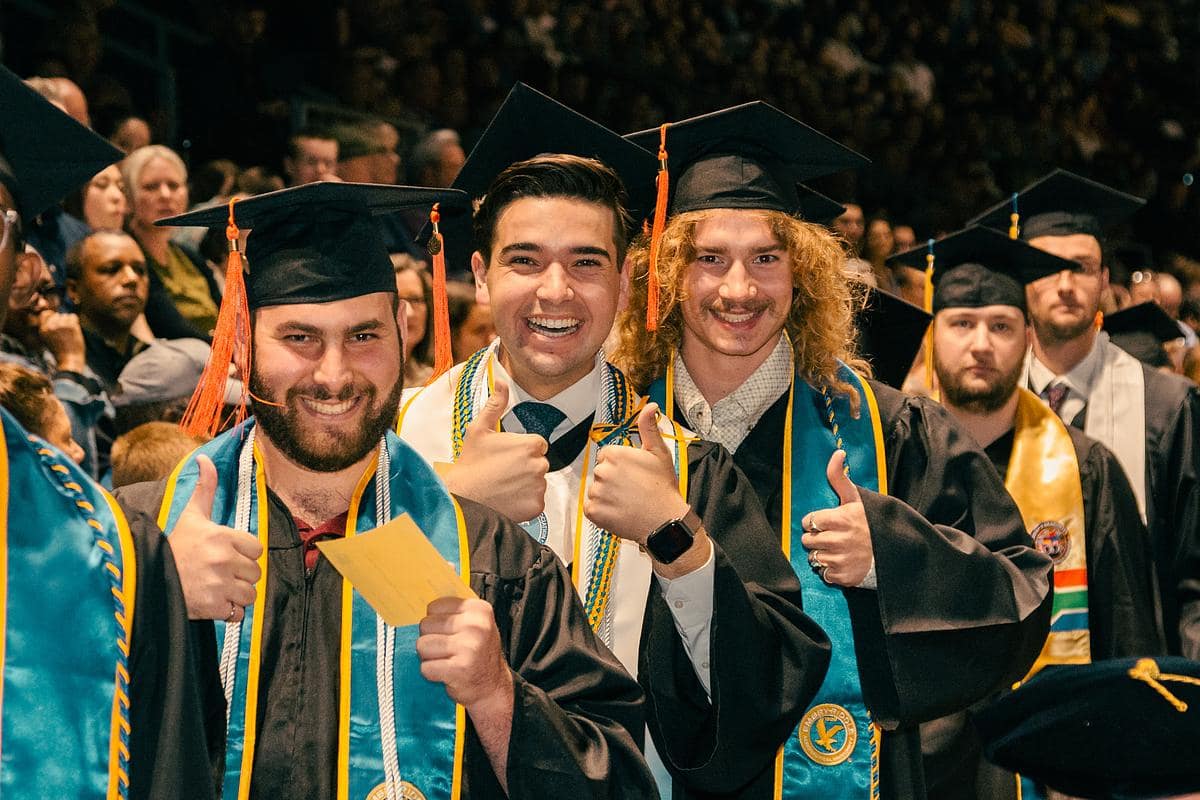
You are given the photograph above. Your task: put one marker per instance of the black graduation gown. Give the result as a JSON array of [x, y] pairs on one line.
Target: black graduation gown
[[577, 717], [963, 599], [766, 657], [1121, 619], [168, 753], [1173, 503]]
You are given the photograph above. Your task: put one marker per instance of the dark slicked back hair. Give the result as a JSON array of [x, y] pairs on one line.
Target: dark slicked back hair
[[553, 175]]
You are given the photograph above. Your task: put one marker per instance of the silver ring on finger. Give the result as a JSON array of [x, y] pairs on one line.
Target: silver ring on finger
[[823, 574], [233, 609], [810, 526], [814, 560]]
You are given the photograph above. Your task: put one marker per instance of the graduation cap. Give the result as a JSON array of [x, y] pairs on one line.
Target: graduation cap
[[816, 207], [979, 266], [44, 154], [748, 156], [1060, 204], [1116, 728], [1142, 330], [751, 156], [890, 330], [530, 124], [314, 243]]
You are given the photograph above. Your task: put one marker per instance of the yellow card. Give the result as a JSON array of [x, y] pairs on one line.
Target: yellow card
[[396, 569]]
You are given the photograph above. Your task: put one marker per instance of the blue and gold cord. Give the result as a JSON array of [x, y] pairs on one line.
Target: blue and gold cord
[[85, 508]]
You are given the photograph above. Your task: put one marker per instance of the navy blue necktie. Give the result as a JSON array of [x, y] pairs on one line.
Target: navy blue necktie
[[539, 418]]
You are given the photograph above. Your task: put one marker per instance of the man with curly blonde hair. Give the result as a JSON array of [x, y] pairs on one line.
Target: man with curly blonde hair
[[910, 553]]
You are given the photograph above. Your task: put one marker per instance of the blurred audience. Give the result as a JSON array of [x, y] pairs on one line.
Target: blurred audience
[[312, 155], [149, 452], [29, 396], [415, 289], [471, 326]]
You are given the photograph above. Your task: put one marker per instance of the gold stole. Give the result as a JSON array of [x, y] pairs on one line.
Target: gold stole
[[1043, 478]]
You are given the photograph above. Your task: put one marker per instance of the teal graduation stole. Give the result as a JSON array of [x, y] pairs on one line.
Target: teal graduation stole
[[399, 735], [66, 605], [834, 751]]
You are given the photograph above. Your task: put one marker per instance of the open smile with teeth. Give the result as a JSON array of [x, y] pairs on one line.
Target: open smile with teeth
[[553, 326], [735, 318], [329, 408]]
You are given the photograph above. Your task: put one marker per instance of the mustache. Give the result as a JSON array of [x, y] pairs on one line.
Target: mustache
[[314, 392], [747, 307]]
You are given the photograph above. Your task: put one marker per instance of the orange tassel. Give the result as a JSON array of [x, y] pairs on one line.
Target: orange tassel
[[1014, 220], [443, 355], [1098, 321], [656, 232], [929, 307], [231, 345]]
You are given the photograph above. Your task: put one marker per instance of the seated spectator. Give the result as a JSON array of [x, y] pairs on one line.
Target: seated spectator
[[213, 181], [416, 290], [312, 155], [29, 396], [878, 244], [149, 452], [157, 182], [41, 338], [107, 280], [436, 159], [258, 180], [850, 226], [367, 152], [904, 238], [471, 327], [101, 203]]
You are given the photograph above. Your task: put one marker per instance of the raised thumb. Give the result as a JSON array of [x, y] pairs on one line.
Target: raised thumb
[[201, 501], [489, 416], [839, 481], [648, 432]]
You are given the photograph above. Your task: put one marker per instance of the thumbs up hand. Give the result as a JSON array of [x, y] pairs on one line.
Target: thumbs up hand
[[506, 471], [218, 566], [838, 539], [634, 490]]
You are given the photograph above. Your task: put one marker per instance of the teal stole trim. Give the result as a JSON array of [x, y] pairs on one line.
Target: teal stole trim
[[62, 652], [821, 423], [425, 718]]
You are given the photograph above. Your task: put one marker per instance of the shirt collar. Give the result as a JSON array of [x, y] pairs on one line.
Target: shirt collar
[[730, 419], [1079, 379], [577, 401]]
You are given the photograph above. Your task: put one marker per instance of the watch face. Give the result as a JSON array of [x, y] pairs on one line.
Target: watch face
[[670, 541]]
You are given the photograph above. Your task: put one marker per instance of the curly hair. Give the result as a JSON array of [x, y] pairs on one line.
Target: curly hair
[[820, 322]]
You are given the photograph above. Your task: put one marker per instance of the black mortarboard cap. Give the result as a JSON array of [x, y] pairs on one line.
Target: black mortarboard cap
[[530, 124], [1142, 330], [317, 243], [890, 330], [749, 156], [979, 266], [1060, 204], [1109, 729], [816, 207], [44, 154]]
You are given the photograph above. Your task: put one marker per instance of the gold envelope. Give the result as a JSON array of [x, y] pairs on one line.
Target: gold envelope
[[396, 569]]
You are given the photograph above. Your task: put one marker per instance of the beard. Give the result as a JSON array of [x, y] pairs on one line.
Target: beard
[[1053, 333], [317, 450], [975, 400]]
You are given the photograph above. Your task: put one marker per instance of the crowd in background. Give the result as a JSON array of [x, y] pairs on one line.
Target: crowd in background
[[956, 104]]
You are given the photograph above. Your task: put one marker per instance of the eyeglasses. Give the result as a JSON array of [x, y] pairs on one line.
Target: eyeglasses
[[1141, 276]]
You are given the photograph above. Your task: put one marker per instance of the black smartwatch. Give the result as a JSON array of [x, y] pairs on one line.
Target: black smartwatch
[[673, 538]]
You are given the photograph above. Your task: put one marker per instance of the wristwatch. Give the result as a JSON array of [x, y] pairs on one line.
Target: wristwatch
[[673, 538]]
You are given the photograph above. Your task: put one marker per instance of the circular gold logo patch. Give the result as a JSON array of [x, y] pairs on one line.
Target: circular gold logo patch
[[1051, 537], [828, 734], [407, 792]]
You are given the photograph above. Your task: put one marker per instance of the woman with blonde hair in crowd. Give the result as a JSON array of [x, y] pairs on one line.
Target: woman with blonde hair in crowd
[[156, 180]]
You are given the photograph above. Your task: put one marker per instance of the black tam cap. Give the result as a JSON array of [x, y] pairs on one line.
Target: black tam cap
[[317, 243], [44, 154], [1060, 204], [1142, 330], [978, 267], [749, 156], [1118, 728], [890, 330]]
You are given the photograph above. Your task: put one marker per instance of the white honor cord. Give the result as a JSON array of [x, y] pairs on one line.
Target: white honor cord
[[385, 644], [241, 522]]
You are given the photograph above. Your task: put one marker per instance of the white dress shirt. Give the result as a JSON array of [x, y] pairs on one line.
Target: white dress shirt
[[1079, 382]]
